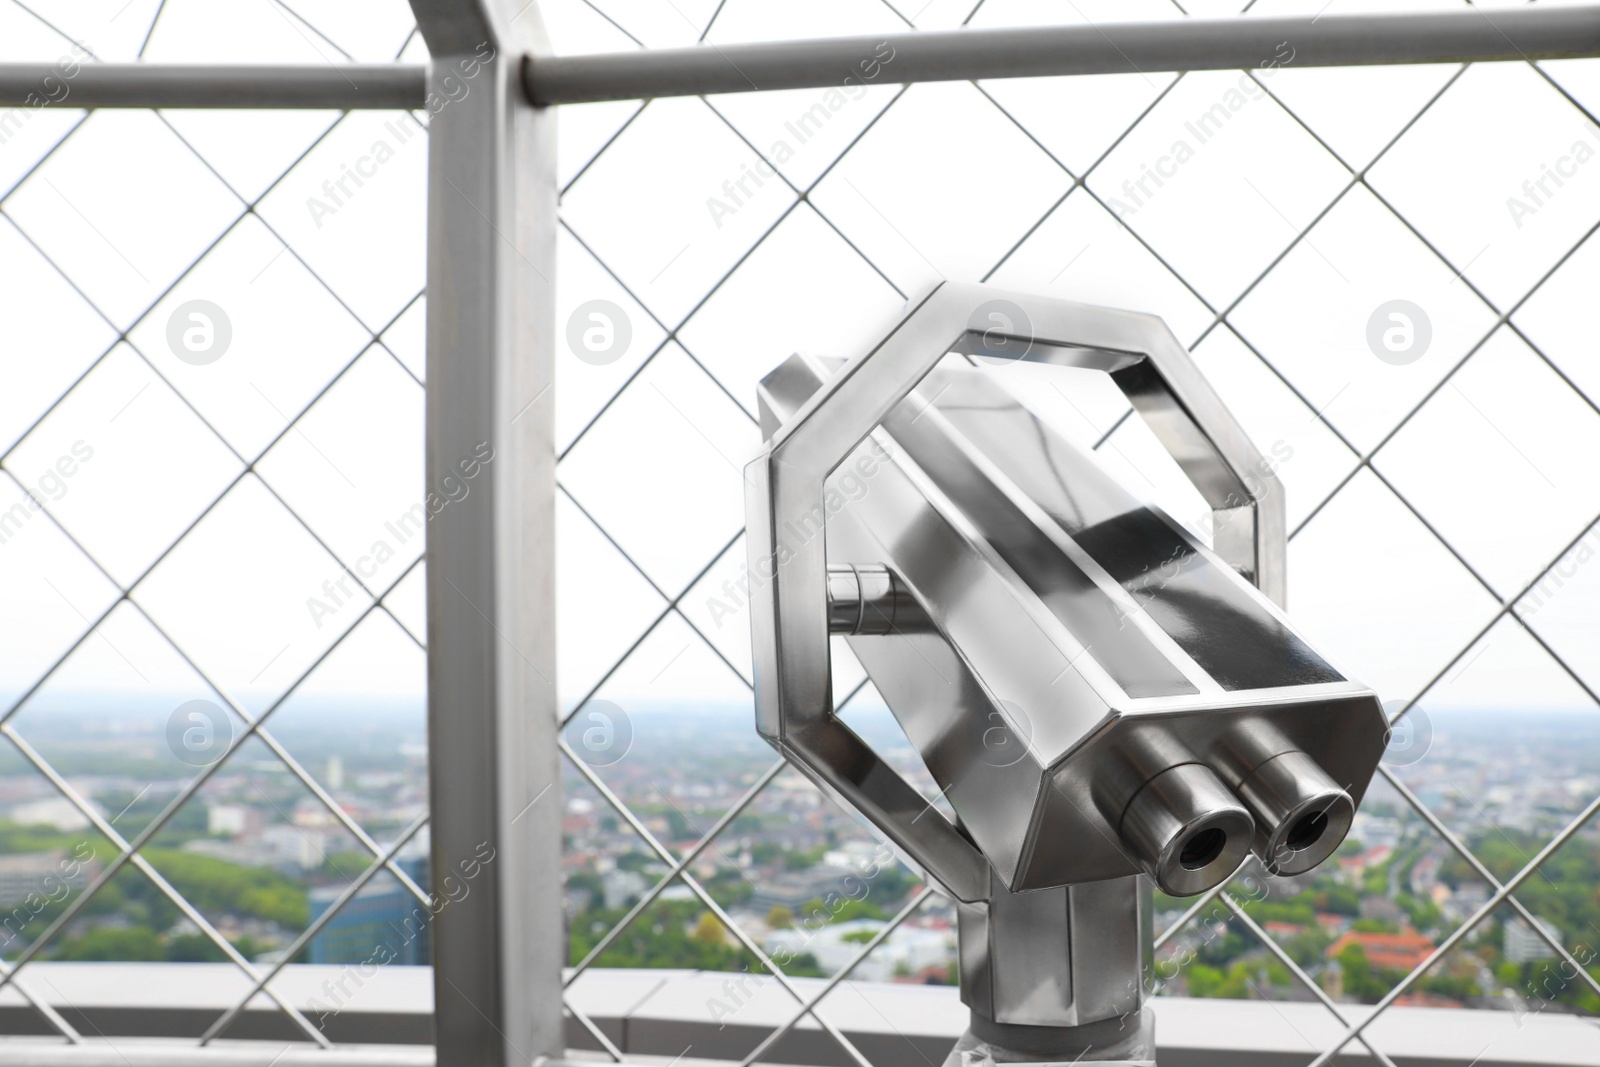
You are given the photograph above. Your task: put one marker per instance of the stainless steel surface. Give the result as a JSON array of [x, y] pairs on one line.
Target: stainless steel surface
[[1186, 829], [1300, 813], [1129, 1042], [1099, 695], [866, 599], [345, 86], [495, 789], [1180, 44], [1065, 957], [784, 516], [1084, 644], [1322, 40]]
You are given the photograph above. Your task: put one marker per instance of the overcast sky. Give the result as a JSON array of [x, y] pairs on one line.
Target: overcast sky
[[135, 223]]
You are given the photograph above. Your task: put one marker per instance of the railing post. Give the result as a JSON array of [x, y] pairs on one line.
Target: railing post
[[493, 715]]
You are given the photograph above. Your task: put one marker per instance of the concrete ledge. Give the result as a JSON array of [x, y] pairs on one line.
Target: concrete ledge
[[668, 1014], [392, 1005], [385, 1018], [155, 1052], [725, 1016]]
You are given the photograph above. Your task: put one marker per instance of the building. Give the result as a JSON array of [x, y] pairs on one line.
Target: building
[[1398, 952], [232, 819], [57, 812], [1522, 945], [908, 951], [1333, 979], [792, 889], [620, 888], [1333, 925], [1374, 830], [383, 923], [1425, 875], [1381, 908], [41, 873], [1356, 866]]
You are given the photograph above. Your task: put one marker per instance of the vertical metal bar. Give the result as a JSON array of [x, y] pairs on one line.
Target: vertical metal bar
[[492, 714]]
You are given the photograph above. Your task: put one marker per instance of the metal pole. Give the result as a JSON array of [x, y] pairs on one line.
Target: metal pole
[[492, 711], [1478, 35], [1179, 44], [72, 82]]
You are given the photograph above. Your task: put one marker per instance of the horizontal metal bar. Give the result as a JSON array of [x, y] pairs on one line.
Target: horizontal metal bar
[[1478, 35], [73, 83], [1179, 44]]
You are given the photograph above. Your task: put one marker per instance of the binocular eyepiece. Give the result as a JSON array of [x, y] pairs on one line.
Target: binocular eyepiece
[[1188, 829]]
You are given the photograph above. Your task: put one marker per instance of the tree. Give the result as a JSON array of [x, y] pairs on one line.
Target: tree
[[1308, 948], [217, 886], [135, 943], [817, 912], [804, 859], [1361, 980], [709, 929], [780, 918], [1204, 981], [194, 948], [1338, 899]]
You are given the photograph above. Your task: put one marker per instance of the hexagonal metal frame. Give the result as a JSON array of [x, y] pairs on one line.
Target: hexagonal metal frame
[[784, 493]]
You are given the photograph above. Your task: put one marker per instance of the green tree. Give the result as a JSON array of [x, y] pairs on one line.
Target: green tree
[[710, 930], [804, 859], [1337, 899], [218, 887], [662, 936], [115, 943], [1361, 979], [194, 948], [1204, 981], [817, 912]]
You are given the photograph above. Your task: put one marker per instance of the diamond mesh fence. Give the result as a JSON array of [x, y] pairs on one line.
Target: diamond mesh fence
[[214, 402], [212, 433]]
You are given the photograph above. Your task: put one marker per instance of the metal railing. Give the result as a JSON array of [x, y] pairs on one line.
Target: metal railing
[[495, 719]]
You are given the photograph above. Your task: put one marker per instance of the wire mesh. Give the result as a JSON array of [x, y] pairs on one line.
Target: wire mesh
[[684, 313], [1218, 314], [125, 324]]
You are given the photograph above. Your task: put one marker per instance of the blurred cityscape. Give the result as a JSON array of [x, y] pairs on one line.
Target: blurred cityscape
[[261, 858]]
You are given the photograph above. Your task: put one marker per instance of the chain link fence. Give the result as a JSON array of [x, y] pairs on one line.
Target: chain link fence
[[213, 455]]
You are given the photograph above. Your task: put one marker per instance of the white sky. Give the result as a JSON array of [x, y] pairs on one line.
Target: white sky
[[943, 184]]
